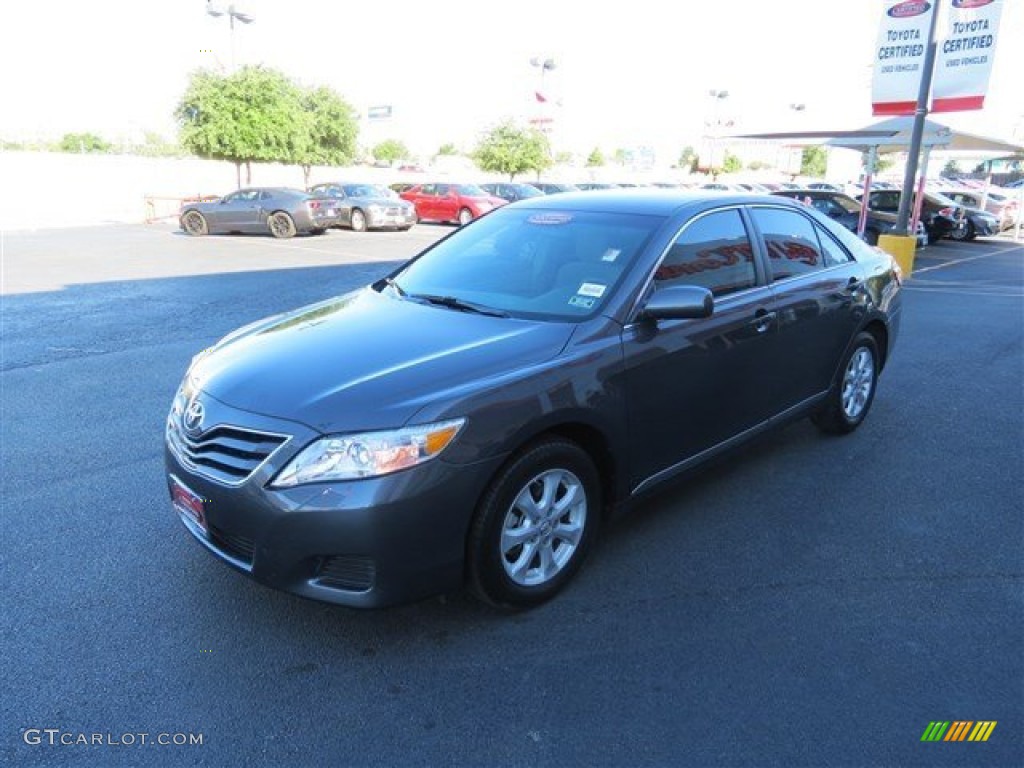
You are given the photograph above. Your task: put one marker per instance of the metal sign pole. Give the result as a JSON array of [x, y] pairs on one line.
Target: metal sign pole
[[903, 216]]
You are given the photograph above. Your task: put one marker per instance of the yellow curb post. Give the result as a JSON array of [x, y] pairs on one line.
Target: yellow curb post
[[901, 248]]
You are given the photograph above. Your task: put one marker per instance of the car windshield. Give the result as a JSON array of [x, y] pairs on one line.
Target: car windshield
[[545, 264], [366, 190], [848, 204], [525, 190], [470, 190]]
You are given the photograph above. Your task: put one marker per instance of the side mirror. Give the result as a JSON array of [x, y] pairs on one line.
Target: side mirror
[[679, 302]]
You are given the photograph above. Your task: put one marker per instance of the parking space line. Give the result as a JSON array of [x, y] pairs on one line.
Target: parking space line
[[964, 260]]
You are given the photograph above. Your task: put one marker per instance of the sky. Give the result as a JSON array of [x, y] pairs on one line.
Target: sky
[[626, 74]]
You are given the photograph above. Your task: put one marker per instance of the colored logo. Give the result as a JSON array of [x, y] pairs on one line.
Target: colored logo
[[970, 3], [909, 8], [958, 730]]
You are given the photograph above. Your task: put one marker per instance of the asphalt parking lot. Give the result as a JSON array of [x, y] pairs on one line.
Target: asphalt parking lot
[[811, 601]]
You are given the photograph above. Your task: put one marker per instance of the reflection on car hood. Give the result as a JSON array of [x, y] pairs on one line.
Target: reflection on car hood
[[366, 360]]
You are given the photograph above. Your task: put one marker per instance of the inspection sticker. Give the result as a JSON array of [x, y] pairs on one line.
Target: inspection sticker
[[611, 254], [580, 301], [591, 289]]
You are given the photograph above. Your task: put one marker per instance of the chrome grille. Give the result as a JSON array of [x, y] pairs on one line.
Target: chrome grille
[[349, 572], [394, 211], [226, 453]]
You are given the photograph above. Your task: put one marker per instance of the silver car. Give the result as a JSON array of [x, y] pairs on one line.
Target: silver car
[[280, 211], [367, 206]]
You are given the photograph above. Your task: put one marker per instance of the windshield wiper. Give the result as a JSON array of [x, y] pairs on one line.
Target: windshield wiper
[[455, 303]]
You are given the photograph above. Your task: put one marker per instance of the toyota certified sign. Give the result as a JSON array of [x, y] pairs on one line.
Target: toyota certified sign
[[899, 56]]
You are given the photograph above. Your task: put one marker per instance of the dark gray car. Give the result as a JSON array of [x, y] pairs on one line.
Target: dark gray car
[[280, 211], [367, 206], [474, 416]]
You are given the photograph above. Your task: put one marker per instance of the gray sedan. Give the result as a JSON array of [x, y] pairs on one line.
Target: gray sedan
[[367, 206], [280, 211]]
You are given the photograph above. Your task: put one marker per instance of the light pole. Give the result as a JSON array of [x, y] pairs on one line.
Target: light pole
[[232, 13], [797, 107], [716, 126], [545, 66]]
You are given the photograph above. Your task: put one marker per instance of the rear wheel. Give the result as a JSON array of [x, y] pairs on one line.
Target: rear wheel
[[850, 400], [195, 224], [358, 220], [534, 525], [465, 216], [282, 225]]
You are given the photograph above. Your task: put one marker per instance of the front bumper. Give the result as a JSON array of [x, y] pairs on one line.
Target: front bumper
[[362, 543]]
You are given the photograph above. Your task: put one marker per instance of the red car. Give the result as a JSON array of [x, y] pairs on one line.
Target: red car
[[457, 203]]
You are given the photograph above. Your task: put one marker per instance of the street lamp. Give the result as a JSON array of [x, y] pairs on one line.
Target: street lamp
[[232, 13], [545, 66], [715, 126]]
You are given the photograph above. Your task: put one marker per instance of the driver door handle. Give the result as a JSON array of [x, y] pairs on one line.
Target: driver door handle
[[763, 320]]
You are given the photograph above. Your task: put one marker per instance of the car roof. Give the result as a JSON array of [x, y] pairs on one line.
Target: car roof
[[643, 200]]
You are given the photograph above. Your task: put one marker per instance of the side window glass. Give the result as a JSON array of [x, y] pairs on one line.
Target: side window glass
[[714, 252], [833, 252], [427, 189], [790, 241], [441, 190]]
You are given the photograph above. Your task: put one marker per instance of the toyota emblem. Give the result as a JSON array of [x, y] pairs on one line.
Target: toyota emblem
[[193, 418]]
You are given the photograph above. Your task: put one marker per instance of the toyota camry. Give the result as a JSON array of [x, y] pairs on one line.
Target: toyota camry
[[475, 416]]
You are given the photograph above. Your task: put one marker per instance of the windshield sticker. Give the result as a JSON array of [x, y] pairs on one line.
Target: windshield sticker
[[591, 289], [549, 219], [581, 302], [611, 254]]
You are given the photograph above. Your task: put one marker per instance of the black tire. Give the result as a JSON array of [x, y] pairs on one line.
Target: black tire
[[510, 574], [871, 236], [281, 225], [357, 220], [964, 234], [465, 216], [194, 223], [850, 399], [933, 237]]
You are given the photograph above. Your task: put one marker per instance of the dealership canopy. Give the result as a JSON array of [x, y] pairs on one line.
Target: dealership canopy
[[893, 135]]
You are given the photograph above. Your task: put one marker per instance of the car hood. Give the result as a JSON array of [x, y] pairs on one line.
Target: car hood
[[366, 360]]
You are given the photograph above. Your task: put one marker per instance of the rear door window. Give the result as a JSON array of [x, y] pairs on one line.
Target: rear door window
[[790, 242]]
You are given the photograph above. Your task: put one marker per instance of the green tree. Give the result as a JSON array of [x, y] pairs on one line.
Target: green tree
[[731, 163], [564, 157], [331, 131], [595, 159], [84, 142], [507, 148], [758, 165], [951, 168], [390, 150], [447, 149], [623, 157], [254, 114], [688, 159], [814, 162]]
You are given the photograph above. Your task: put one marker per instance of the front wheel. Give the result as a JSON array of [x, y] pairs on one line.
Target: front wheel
[[195, 224], [964, 234], [534, 525], [358, 220], [465, 216], [849, 402], [282, 225]]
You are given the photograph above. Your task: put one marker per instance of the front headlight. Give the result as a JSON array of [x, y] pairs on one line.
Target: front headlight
[[370, 454]]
